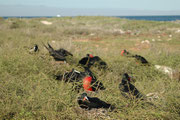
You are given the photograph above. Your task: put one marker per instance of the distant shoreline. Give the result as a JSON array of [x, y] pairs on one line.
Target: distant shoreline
[[143, 17]]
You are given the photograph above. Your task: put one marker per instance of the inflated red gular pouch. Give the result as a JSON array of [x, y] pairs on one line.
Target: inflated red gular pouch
[[87, 83], [91, 56], [122, 53]]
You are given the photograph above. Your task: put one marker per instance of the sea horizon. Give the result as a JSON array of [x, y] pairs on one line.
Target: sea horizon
[[131, 17]]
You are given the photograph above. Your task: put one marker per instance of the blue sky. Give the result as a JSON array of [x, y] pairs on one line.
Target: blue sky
[[87, 7]]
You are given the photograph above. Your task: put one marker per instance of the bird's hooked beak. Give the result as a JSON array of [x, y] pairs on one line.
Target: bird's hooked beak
[[85, 98]]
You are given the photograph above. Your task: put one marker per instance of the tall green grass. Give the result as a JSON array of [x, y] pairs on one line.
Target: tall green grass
[[28, 89]]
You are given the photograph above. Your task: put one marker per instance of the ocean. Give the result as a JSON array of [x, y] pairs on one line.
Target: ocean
[[149, 18], [152, 18]]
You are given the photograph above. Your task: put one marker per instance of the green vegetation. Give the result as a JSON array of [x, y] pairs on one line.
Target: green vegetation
[[28, 89]]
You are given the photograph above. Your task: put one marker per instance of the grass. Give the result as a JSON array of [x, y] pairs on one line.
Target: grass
[[28, 89]]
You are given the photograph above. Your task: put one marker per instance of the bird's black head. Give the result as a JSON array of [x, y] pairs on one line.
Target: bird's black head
[[83, 97], [87, 70], [124, 52], [59, 77], [35, 48], [89, 55], [126, 78]]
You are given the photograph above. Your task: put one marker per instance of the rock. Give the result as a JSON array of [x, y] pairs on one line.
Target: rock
[[119, 31], [92, 34], [170, 36], [146, 41], [46, 22], [152, 96], [153, 40], [173, 74], [178, 31]]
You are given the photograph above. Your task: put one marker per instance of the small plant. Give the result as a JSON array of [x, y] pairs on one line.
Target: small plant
[[14, 25]]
